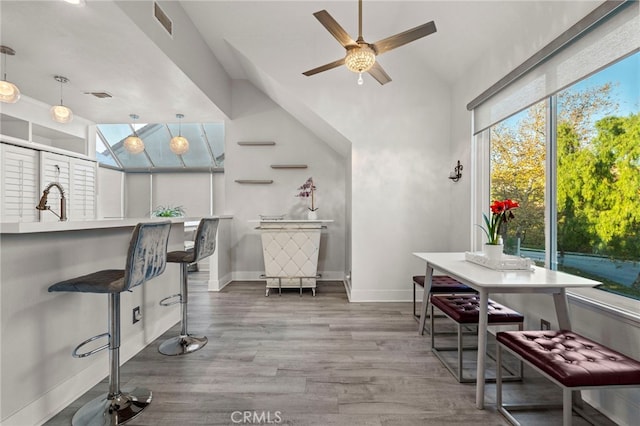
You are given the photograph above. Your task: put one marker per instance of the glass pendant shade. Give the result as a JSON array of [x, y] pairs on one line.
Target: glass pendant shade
[[179, 145], [134, 145], [61, 114], [9, 92], [360, 59]]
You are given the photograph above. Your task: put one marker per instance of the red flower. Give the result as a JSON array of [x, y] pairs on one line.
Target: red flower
[[500, 212]]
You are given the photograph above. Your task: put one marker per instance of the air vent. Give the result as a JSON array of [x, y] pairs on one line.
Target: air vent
[[162, 18], [101, 95]]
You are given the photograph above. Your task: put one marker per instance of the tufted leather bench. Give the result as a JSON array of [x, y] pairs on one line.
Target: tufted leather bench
[[464, 309], [570, 360], [440, 284]]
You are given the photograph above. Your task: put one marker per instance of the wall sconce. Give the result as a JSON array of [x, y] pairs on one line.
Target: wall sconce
[[179, 144], [134, 144], [61, 113], [456, 174], [9, 92]]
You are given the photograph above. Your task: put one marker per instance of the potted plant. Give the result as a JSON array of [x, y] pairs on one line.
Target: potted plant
[[307, 190], [168, 211], [501, 212]]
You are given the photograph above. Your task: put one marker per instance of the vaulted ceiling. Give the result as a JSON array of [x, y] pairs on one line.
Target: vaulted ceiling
[[100, 49]]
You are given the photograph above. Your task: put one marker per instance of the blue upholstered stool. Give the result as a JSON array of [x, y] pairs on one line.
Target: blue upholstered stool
[[146, 259], [204, 245]]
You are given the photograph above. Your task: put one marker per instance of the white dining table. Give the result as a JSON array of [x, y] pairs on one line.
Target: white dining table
[[485, 281]]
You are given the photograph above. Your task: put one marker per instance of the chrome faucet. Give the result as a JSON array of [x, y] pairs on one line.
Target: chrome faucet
[[42, 205]]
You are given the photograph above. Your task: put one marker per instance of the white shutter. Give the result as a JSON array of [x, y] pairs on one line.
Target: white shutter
[[83, 190], [20, 189]]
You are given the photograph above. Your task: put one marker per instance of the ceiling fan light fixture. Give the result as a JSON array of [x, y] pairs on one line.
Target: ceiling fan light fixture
[[360, 59]]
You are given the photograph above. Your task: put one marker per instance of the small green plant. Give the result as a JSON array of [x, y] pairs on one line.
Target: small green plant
[[168, 211]]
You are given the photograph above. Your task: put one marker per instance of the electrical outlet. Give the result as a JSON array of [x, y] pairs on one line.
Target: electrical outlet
[[545, 325], [137, 316]]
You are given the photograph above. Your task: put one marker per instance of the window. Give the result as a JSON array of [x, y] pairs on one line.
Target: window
[[597, 174], [518, 146]]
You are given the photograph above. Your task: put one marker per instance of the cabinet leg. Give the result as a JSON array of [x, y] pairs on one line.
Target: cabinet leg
[[266, 294], [313, 291]]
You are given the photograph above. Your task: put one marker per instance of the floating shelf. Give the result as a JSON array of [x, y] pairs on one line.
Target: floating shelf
[[265, 143], [288, 166], [255, 181]]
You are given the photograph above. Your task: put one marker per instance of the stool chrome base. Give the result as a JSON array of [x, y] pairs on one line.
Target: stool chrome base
[[103, 411], [182, 345]]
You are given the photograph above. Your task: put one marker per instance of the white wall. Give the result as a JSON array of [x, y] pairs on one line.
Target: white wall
[[257, 118], [110, 193], [614, 331]]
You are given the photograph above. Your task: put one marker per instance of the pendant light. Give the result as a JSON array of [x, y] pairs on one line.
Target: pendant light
[[61, 113], [179, 144], [134, 144], [9, 92]]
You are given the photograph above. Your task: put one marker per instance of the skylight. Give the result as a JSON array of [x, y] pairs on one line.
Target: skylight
[[206, 147]]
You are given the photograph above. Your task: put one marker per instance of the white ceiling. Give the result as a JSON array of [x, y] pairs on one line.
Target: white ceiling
[[100, 49]]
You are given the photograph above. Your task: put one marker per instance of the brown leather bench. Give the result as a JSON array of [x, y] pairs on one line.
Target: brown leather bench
[[464, 310], [571, 361], [440, 284]]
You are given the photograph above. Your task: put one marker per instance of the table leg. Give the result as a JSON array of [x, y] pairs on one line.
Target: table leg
[[562, 309], [564, 322], [482, 348], [425, 299]]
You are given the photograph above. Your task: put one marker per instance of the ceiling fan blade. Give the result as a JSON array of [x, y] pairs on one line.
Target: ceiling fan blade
[[326, 67], [334, 28], [403, 38], [379, 74]]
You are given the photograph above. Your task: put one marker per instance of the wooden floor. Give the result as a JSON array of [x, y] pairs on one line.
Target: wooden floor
[[306, 361]]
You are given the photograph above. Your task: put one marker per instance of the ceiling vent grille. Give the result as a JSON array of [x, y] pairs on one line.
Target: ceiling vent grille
[[162, 18], [101, 95]]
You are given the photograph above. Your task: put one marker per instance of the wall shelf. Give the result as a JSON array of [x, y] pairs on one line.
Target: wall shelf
[[249, 143], [288, 166], [255, 181]]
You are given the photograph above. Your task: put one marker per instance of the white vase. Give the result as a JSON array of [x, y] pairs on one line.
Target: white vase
[[312, 215], [493, 252]]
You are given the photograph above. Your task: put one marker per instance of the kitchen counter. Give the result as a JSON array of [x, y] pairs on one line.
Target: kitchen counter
[[77, 225]]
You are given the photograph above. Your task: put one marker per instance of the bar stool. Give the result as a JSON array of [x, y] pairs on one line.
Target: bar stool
[[146, 259], [203, 246]]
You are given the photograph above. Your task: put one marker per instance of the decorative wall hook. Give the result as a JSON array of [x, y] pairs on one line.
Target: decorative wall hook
[[456, 174]]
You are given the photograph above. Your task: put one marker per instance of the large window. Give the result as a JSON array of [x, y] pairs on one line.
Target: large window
[[595, 140]]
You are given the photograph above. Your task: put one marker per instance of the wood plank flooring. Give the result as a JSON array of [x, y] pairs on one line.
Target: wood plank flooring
[[305, 361]]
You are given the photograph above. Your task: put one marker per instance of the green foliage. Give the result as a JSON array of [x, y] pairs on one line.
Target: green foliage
[[598, 179], [168, 211]]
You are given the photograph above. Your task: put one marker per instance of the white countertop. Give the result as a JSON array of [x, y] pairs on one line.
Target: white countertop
[[39, 227], [290, 221]]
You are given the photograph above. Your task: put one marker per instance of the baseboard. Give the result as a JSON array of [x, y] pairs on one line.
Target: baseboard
[[368, 295], [56, 399], [219, 284]]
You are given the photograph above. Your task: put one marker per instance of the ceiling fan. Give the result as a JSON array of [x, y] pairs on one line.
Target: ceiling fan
[[361, 56]]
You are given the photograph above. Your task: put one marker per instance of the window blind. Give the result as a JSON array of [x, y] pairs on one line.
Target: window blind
[[612, 37]]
